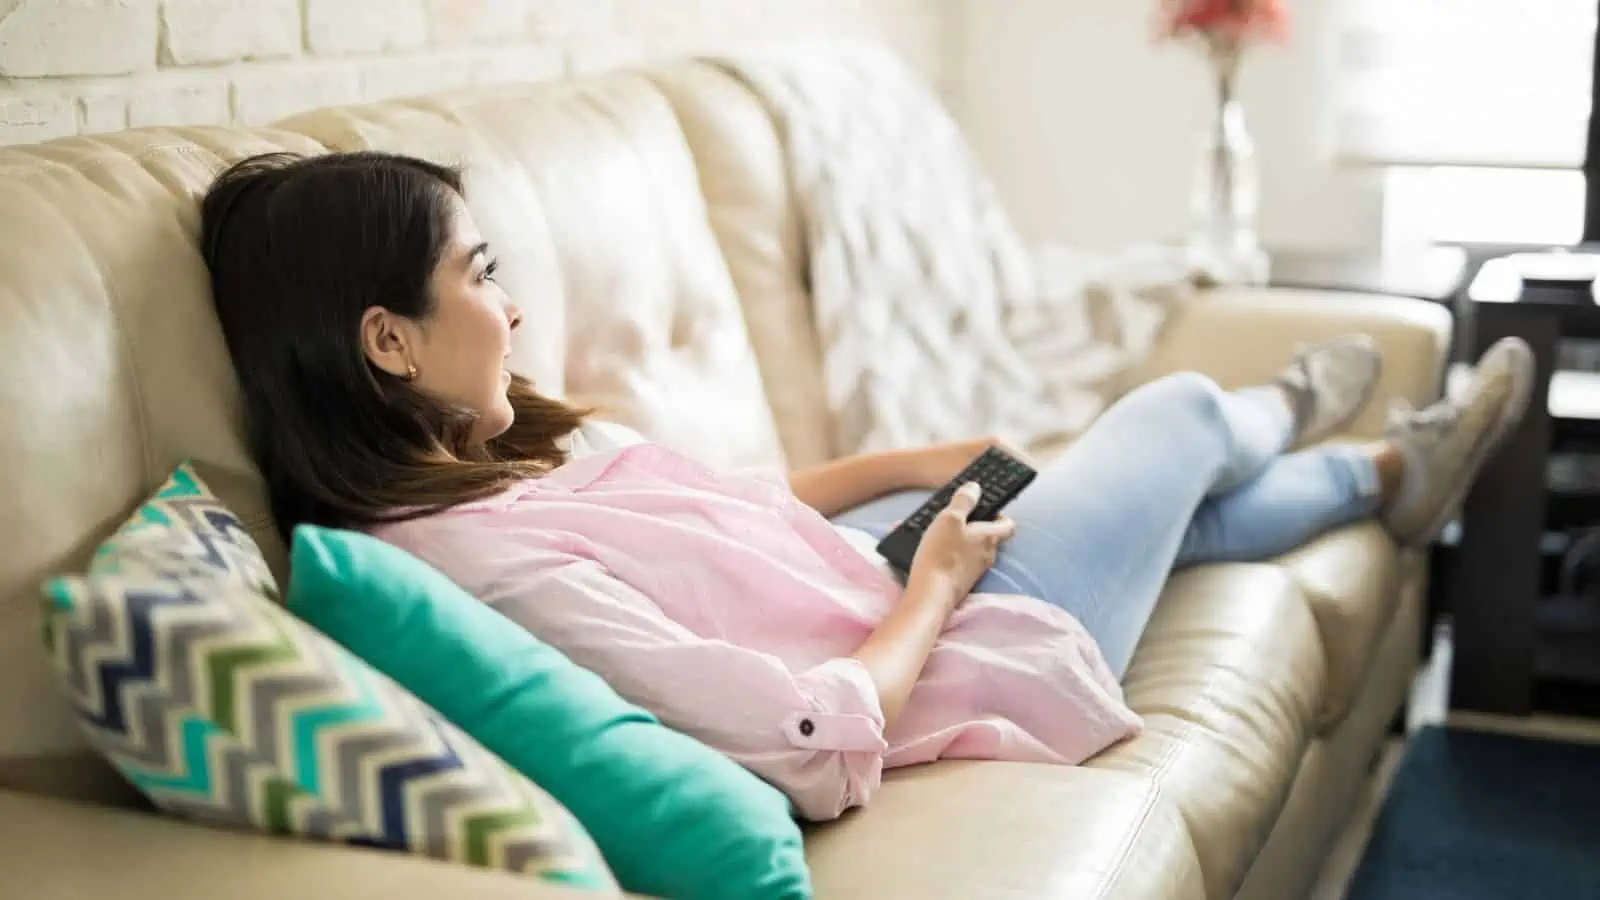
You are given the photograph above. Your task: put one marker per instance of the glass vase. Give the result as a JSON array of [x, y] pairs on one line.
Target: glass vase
[[1223, 245]]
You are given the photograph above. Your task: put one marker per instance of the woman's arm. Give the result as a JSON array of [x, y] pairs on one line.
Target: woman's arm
[[833, 487], [897, 650], [953, 555]]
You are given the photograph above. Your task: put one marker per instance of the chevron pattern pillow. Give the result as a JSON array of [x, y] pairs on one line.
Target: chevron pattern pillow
[[222, 707], [184, 530]]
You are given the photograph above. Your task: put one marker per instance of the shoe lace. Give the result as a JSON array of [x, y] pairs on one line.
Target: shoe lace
[[1298, 373], [1431, 422]]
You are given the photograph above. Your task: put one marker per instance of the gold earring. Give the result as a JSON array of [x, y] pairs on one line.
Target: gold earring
[[411, 372]]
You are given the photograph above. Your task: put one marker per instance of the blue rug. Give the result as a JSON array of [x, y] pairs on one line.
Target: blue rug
[[1475, 816]]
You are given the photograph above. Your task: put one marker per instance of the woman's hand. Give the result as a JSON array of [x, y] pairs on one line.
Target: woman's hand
[[956, 553], [932, 467], [953, 555]]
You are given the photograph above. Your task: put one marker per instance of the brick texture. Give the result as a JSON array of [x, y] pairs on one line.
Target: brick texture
[[179, 104], [478, 21], [262, 97], [569, 18], [518, 65], [103, 112], [43, 38], [198, 32], [87, 66], [37, 118], [365, 26], [405, 78]]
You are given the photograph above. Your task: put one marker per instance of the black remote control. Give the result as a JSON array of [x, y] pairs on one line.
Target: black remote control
[[1002, 477]]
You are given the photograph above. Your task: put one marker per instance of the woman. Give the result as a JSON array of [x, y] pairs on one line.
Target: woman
[[360, 306]]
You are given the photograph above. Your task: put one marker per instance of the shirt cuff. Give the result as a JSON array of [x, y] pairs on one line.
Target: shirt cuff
[[844, 712]]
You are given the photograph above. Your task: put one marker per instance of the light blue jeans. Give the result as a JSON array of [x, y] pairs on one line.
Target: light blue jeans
[[1177, 473]]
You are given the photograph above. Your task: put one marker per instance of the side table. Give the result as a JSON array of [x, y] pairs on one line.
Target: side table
[[1495, 571]]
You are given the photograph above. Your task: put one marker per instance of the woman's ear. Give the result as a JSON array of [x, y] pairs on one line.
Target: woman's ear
[[384, 339]]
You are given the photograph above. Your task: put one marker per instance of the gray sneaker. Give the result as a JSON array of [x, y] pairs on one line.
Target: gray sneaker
[[1329, 383], [1446, 444]]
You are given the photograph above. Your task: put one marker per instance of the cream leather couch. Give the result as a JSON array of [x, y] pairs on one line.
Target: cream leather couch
[[647, 230]]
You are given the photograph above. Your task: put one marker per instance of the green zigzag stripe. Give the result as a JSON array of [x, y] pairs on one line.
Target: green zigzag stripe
[[229, 679], [225, 666], [481, 828], [277, 799]]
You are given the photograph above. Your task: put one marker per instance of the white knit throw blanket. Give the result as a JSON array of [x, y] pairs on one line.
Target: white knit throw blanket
[[937, 321]]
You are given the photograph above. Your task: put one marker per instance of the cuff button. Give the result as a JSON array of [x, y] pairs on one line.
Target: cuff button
[[807, 727]]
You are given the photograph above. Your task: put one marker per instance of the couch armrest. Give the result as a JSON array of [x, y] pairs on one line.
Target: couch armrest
[[62, 850], [1243, 336]]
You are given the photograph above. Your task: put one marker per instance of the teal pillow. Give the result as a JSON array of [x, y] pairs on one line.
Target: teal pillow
[[673, 817]]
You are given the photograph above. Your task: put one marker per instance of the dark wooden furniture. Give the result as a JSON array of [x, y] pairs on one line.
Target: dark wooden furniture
[[1494, 574], [1491, 571]]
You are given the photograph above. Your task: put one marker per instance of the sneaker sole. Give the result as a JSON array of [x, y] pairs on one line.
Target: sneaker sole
[[1355, 412], [1516, 406]]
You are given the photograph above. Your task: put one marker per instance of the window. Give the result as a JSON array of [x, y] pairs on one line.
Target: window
[[1480, 108], [1459, 204]]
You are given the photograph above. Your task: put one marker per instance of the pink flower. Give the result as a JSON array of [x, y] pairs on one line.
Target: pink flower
[[1231, 21]]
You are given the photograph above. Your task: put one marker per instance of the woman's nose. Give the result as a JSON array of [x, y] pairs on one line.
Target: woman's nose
[[513, 315]]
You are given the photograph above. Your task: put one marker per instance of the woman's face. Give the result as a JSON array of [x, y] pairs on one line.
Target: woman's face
[[459, 352]]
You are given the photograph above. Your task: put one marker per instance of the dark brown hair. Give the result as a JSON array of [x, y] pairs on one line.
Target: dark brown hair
[[299, 248]]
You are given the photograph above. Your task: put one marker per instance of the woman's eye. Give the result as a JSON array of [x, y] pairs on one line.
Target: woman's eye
[[489, 270]]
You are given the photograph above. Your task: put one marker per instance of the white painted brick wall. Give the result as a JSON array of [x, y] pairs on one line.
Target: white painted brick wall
[[478, 21], [103, 112], [86, 66], [406, 78], [365, 26], [265, 96], [179, 104], [37, 118], [645, 16], [516, 65], [42, 38], [197, 32], [568, 18]]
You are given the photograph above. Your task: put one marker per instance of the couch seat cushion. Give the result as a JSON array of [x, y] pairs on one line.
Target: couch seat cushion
[[1229, 677], [1007, 831], [1350, 579]]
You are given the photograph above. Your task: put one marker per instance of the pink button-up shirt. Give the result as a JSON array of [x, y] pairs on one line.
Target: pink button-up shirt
[[730, 610]]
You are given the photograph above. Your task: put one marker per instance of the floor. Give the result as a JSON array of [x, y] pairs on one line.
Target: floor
[[1429, 706]]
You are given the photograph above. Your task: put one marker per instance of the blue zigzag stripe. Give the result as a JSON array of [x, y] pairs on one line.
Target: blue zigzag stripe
[[393, 778], [140, 666]]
